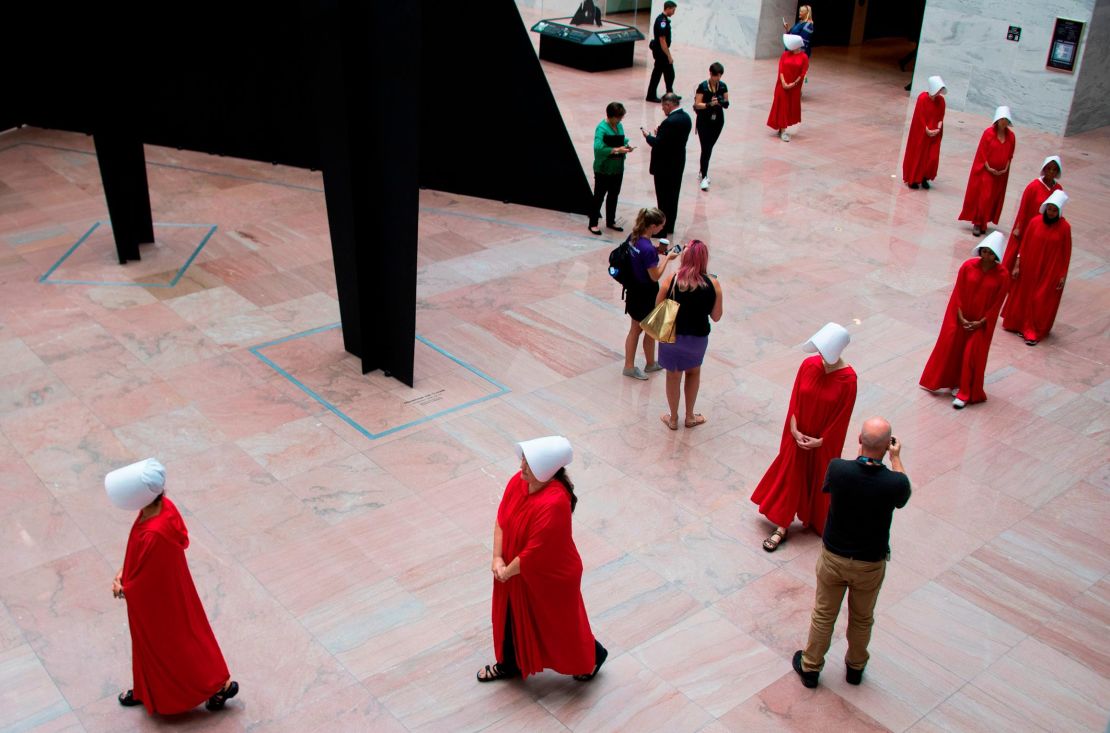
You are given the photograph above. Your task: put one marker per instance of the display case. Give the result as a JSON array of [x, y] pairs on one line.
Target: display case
[[600, 45]]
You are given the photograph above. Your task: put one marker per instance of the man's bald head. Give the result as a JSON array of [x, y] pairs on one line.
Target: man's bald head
[[875, 435]]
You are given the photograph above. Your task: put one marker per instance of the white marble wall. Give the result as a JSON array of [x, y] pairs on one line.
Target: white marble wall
[[1091, 106], [749, 28], [964, 41]]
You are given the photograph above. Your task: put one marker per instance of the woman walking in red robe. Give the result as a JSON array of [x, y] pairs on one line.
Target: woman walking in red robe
[[176, 662], [1035, 194], [816, 422], [539, 618], [786, 109], [959, 359], [990, 171], [1040, 271], [919, 165]]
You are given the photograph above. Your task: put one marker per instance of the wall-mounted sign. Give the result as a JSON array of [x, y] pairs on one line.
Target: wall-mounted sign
[[1064, 50], [1014, 34]]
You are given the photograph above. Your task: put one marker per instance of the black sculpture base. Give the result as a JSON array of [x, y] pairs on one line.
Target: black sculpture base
[[587, 47]]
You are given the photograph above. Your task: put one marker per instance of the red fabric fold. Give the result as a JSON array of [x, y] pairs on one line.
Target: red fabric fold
[[1034, 297], [986, 191], [786, 108], [922, 156]]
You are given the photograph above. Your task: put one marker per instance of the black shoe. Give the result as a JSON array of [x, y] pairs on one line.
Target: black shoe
[[925, 185], [217, 701], [649, 98], [915, 186], [853, 676], [614, 227], [593, 229], [128, 700], [809, 679]]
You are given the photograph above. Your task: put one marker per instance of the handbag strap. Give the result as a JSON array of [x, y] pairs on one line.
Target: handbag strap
[[674, 283]]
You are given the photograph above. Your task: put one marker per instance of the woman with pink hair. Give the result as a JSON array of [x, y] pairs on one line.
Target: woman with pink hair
[[699, 298]]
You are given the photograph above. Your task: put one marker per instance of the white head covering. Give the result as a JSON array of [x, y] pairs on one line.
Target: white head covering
[[935, 85], [546, 455], [829, 342], [1059, 198], [1054, 159], [133, 487], [1001, 112], [995, 242], [792, 42]]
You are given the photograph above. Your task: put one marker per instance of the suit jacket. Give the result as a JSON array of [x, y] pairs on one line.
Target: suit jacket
[[668, 148]]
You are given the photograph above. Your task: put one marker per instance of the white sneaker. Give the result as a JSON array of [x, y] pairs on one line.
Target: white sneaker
[[705, 184], [958, 404], [785, 137]]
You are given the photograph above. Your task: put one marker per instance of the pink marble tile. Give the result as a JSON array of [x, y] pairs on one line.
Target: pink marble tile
[[29, 698], [1078, 630], [295, 447], [15, 356], [785, 705], [425, 458], [37, 534], [969, 505], [346, 487], [774, 609], [347, 709], [171, 435], [257, 409]]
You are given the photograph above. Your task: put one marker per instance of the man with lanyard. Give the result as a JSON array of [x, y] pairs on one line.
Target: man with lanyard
[[863, 496], [661, 52]]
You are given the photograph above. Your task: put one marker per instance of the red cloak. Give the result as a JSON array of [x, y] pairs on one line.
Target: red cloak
[[1034, 297], [986, 191], [822, 406], [1035, 194], [923, 152], [959, 358], [176, 661], [550, 627], [786, 109]]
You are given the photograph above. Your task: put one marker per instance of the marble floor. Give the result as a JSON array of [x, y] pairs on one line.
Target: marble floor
[[341, 525]]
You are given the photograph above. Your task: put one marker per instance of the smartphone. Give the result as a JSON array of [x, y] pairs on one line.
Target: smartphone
[[893, 440], [677, 248]]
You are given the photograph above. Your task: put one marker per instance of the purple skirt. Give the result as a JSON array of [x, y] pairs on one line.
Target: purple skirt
[[687, 352]]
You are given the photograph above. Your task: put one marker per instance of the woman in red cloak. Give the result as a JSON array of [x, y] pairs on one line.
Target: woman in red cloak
[[175, 659], [959, 359], [919, 165], [786, 109], [539, 618], [816, 422], [990, 171], [1035, 194], [1040, 272]]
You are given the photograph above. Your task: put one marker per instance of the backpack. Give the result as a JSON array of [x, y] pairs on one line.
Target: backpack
[[620, 264]]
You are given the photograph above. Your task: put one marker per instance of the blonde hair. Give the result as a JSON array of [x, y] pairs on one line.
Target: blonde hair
[[806, 13], [646, 218]]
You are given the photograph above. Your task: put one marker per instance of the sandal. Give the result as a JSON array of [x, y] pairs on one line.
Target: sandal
[[777, 538], [217, 701], [696, 420], [127, 699], [670, 422], [597, 668], [495, 672]]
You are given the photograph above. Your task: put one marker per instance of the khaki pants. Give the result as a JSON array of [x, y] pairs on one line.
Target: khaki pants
[[862, 580]]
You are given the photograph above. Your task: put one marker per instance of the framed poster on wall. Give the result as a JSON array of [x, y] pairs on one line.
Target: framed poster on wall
[[1063, 52]]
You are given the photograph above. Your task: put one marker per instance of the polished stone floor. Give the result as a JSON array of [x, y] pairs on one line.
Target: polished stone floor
[[341, 525]]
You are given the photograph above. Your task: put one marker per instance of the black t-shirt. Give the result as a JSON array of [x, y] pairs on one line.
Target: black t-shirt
[[694, 308], [863, 501], [703, 94], [661, 29]]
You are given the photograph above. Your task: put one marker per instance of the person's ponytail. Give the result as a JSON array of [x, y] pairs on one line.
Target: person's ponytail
[[562, 477]]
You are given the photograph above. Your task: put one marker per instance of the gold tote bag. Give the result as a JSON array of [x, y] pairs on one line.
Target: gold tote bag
[[660, 323]]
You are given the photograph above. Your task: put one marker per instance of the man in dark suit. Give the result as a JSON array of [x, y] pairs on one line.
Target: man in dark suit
[[668, 157]]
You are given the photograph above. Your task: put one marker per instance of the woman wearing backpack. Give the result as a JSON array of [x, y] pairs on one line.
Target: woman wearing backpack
[[647, 268]]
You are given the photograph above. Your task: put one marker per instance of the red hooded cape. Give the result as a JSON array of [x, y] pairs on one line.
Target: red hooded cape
[[176, 661], [550, 627], [959, 358], [1034, 298], [1035, 194], [923, 152], [986, 191], [786, 109], [822, 405]]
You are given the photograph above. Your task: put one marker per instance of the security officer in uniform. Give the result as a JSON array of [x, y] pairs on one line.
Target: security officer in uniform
[[661, 52]]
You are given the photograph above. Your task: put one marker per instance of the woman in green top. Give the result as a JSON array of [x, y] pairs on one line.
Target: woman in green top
[[610, 147]]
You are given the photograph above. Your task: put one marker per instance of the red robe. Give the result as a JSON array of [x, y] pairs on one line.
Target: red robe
[[550, 627], [786, 109], [1034, 299], [959, 358], [175, 659], [986, 191], [822, 405], [923, 152], [1035, 194]]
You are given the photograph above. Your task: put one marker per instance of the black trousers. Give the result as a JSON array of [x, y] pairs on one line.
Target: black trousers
[[662, 68], [508, 649], [607, 187], [708, 132], [667, 186]]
